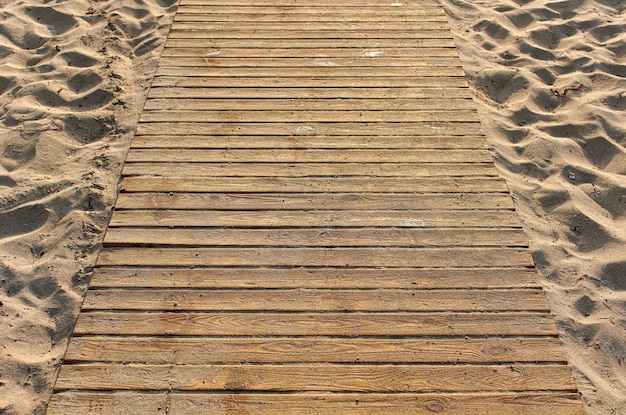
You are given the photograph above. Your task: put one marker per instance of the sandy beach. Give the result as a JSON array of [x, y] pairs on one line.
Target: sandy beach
[[549, 80], [73, 79]]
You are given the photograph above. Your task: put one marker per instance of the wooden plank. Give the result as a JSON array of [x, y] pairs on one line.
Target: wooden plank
[[238, 88], [307, 18], [122, 403], [313, 3], [433, 128], [316, 218], [290, 72], [339, 378], [324, 257], [459, 202], [256, 116], [198, 351], [335, 52], [325, 87], [319, 300], [311, 156], [374, 61], [313, 184], [384, 105], [407, 278], [309, 169], [310, 142], [315, 324], [330, 27], [270, 9], [371, 33], [308, 43], [329, 237]]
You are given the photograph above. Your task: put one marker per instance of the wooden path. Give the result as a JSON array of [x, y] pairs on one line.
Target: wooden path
[[310, 222]]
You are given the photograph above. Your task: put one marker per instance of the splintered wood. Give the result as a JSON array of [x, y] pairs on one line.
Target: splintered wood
[[310, 222]]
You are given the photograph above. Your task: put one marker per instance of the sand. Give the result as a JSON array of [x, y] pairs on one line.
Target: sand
[[549, 79], [73, 79]]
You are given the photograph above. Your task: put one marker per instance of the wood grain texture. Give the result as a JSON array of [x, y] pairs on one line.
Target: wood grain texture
[[315, 324], [307, 43], [326, 87], [194, 351], [324, 219], [207, 33], [168, 116], [312, 3], [311, 156], [305, 377], [303, 257], [385, 106], [311, 142], [313, 184], [316, 170], [325, 70], [303, 30], [316, 300], [329, 237], [270, 10], [121, 403], [338, 52], [432, 128], [462, 204], [307, 88], [332, 278]]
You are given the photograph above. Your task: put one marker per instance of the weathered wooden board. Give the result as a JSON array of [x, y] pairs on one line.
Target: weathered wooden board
[[208, 33], [317, 299], [168, 116], [311, 43], [324, 257], [313, 142], [383, 105], [316, 218], [338, 52], [329, 71], [166, 169], [313, 3], [313, 12], [313, 184], [121, 403], [253, 27], [195, 351], [348, 278], [312, 156], [304, 88], [315, 324], [432, 128], [303, 377], [329, 237], [461, 203]]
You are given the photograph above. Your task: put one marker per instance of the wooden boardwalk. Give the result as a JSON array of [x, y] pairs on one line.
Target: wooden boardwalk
[[310, 222]]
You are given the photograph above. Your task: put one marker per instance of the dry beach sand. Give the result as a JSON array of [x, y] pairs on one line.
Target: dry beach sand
[[73, 79], [549, 79]]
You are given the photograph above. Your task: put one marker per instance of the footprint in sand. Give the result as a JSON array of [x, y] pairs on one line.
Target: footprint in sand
[[22, 220]]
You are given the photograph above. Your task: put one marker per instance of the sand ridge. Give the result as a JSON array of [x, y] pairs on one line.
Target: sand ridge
[[73, 78], [549, 78]]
